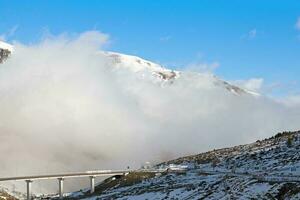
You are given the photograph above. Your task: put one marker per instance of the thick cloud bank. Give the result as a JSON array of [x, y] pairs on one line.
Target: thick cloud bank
[[64, 107]]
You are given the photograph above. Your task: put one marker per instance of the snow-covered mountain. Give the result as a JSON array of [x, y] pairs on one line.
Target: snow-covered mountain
[[137, 64], [140, 65], [267, 169]]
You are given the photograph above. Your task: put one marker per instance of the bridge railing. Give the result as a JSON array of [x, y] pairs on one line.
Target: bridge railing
[[61, 177]]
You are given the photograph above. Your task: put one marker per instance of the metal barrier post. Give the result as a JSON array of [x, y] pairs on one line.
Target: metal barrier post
[[61, 187], [92, 184], [28, 189]]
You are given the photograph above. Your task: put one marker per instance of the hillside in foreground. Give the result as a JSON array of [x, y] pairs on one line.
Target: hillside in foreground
[[267, 169]]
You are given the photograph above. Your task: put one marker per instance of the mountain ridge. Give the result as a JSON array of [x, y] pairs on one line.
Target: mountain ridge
[[136, 64]]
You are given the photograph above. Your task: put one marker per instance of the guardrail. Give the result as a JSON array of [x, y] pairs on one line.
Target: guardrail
[[61, 177]]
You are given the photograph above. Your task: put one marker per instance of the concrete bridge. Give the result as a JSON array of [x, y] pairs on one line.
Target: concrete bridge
[[61, 177]]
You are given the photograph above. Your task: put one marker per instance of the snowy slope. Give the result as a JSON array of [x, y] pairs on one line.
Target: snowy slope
[[6, 46], [268, 169], [137, 65], [141, 66]]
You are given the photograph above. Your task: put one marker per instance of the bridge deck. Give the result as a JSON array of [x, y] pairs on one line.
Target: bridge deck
[[67, 175]]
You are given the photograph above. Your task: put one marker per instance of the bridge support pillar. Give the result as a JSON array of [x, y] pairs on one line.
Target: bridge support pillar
[[61, 187], [92, 184], [28, 189]]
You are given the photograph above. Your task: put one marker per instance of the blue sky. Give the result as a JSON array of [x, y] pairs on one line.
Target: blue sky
[[248, 39]]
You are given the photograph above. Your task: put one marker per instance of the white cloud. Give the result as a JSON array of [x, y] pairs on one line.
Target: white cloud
[[253, 84], [291, 101], [251, 34], [9, 33], [13, 30], [202, 67], [165, 38], [297, 25]]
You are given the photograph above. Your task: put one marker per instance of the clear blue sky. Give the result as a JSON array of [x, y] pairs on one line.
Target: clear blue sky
[[247, 38]]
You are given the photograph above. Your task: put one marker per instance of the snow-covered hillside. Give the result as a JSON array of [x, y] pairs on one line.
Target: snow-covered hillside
[[267, 169]]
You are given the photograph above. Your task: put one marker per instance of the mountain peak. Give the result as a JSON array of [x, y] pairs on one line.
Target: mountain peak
[[136, 64]]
